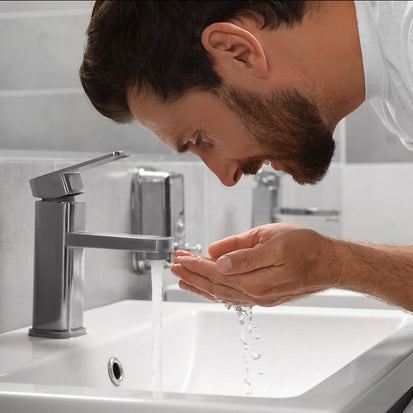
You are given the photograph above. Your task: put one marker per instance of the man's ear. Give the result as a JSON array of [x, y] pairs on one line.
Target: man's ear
[[234, 49]]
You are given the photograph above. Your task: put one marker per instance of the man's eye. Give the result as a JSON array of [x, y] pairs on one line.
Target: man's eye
[[198, 141]]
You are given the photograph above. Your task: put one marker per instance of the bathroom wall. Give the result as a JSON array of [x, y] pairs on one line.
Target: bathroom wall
[[42, 105], [377, 184]]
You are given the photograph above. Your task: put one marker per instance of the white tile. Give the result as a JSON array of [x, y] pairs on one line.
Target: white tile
[[377, 203]]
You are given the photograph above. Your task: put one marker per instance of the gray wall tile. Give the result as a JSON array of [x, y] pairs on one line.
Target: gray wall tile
[[68, 123], [43, 52], [22, 5], [17, 240]]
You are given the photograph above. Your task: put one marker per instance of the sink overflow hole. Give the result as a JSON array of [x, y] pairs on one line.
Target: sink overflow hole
[[115, 371]]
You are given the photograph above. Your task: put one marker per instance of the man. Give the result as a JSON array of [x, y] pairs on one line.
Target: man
[[240, 83]]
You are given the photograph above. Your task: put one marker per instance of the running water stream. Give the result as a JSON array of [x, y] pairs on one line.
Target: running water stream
[[249, 338], [249, 335], [156, 273]]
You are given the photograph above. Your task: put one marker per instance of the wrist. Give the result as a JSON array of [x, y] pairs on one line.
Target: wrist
[[327, 268]]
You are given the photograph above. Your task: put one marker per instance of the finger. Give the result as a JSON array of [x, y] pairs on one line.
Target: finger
[[235, 242], [187, 287], [207, 269], [184, 253], [248, 239], [219, 291], [192, 289], [246, 260]]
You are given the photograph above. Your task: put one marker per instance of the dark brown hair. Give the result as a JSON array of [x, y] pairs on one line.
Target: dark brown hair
[[156, 47]]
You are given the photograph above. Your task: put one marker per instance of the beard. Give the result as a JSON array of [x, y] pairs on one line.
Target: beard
[[289, 129]]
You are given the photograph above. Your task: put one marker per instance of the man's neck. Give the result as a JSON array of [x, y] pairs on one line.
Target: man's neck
[[336, 61], [323, 53]]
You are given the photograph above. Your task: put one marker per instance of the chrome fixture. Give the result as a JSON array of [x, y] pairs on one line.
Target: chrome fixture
[[266, 206], [115, 371], [265, 197], [60, 241], [158, 208]]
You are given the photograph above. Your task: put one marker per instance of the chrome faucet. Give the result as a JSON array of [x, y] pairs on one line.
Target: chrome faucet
[[60, 241], [266, 201]]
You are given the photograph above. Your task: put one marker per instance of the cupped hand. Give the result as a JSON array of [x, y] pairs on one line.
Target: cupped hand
[[267, 266]]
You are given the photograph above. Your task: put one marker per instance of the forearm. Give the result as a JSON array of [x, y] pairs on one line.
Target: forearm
[[384, 271]]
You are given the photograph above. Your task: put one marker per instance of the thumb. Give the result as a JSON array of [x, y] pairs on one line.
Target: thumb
[[246, 260], [234, 242]]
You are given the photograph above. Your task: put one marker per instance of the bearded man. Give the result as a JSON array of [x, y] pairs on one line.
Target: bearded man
[[240, 83]]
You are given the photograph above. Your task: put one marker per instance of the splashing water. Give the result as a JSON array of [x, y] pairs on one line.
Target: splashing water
[[249, 338], [156, 273]]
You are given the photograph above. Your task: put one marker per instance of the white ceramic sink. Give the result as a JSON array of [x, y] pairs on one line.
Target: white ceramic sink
[[314, 359]]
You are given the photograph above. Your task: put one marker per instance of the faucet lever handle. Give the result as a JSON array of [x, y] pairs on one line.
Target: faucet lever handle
[[67, 181]]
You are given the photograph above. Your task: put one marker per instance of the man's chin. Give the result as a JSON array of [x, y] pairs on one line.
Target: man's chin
[[303, 176]]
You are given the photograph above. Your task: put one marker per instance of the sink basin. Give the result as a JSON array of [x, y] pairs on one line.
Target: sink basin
[[314, 359]]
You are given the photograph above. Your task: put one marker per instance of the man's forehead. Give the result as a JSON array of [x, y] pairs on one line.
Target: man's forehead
[[159, 119]]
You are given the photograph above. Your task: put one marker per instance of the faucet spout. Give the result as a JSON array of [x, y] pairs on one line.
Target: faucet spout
[[156, 247]]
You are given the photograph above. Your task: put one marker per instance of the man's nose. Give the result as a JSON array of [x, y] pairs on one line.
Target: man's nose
[[228, 171]]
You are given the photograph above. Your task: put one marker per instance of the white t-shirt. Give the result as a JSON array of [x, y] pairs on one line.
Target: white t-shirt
[[386, 39]]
